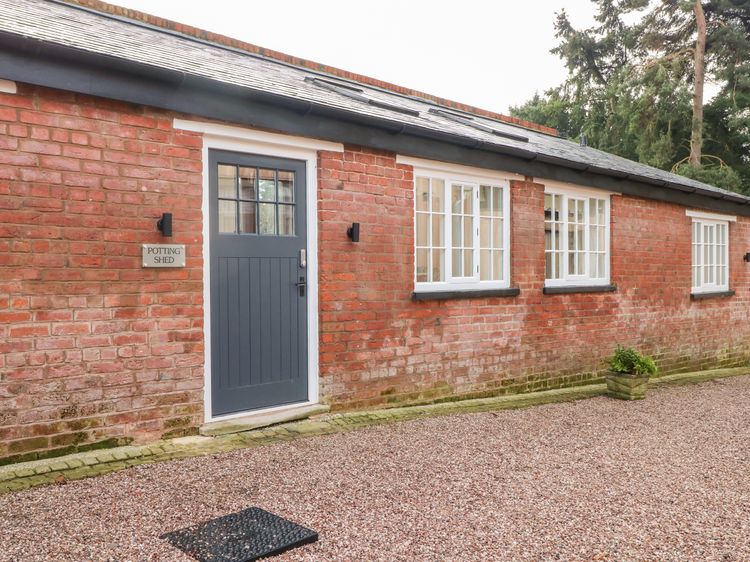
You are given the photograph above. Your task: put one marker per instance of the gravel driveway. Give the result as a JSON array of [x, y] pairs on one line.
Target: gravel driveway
[[663, 479]]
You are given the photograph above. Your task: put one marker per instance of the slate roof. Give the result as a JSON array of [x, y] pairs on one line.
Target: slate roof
[[103, 34]]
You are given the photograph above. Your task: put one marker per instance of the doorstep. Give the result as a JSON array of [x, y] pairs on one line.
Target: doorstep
[[262, 419]]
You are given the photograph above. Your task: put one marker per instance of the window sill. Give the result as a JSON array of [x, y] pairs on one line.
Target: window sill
[[714, 295], [464, 294], [579, 289]]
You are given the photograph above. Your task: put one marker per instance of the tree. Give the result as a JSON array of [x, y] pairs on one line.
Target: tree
[[632, 88]]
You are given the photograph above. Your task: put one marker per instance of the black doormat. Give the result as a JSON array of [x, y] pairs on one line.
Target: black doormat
[[248, 535]]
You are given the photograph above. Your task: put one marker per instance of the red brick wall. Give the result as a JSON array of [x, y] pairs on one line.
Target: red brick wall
[[377, 346], [92, 346], [96, 350]]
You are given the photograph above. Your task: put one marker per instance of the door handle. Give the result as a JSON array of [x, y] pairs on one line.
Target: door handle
[[301, 284]]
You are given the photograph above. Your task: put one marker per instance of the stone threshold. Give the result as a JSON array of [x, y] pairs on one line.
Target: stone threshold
[[94, 463], [264, 419]]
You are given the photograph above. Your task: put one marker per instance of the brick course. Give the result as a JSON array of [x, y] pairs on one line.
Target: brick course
[[92, 347], [96, 350]]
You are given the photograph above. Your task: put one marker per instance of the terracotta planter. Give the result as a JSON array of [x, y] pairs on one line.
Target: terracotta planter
[[627, 387]]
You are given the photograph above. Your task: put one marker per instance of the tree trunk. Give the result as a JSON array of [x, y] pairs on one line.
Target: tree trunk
[[696, 136]]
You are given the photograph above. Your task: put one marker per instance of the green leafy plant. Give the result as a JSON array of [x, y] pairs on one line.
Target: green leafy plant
[[627, 360]]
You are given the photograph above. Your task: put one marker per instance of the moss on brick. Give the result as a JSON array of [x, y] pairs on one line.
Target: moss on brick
[[180, 432]]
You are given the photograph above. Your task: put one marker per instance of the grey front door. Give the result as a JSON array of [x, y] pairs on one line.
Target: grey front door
[[258, 282]]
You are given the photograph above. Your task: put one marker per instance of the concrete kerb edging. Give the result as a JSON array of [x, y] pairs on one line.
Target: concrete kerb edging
[[94, 463]]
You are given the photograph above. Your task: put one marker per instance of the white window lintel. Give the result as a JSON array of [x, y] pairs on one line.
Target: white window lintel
[[710, 216]]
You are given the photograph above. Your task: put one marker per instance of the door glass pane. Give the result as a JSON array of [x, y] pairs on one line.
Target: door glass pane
[[227, 216], [286, 220], [267, 186], [286, 186], [423, 194], [247, 217], [248, 181], [267, 218], [423, 256], [227, 181]]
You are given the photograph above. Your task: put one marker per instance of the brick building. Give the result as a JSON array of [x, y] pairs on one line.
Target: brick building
[[489, 255]]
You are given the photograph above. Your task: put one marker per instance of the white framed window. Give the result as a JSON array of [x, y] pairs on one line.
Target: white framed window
[[576, 236], [462, 231], [710, 252]]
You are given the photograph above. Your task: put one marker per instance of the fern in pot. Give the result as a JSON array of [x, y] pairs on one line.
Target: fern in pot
[[628, 374]]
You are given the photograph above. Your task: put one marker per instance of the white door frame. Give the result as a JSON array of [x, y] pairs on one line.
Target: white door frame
[[249, 141]]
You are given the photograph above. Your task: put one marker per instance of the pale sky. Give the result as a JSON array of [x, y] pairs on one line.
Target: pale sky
[[489, 54]]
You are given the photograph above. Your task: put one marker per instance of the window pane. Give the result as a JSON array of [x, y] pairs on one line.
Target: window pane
[[286, 220], [593, 239], [485, 228], [548, 273], [456, 232], [468, 263], [497, 266], [571, 237], [497, 233], [227, 181], [572, 263], [248, 180], [267, 218], [557, 231], [497, 201], [267, 187], [456, 199], [592, 265], [485, 199], [468, 232], [548, 216], [286, 186], [468, 201], [438, 223], [602, 265], [423, 194], [438, 193], [438, 265], [247, 217], [601, 218], [457, 267], [227, 216], [485, 265], [423, 257], [580, 237], [558, 262], [423, 229]]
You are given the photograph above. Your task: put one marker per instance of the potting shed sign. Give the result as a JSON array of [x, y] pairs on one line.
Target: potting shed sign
[[164, 255]]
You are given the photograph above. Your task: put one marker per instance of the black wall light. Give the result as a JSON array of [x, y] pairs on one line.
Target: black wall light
[[747, 257], [164, 224], [353, 232]]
